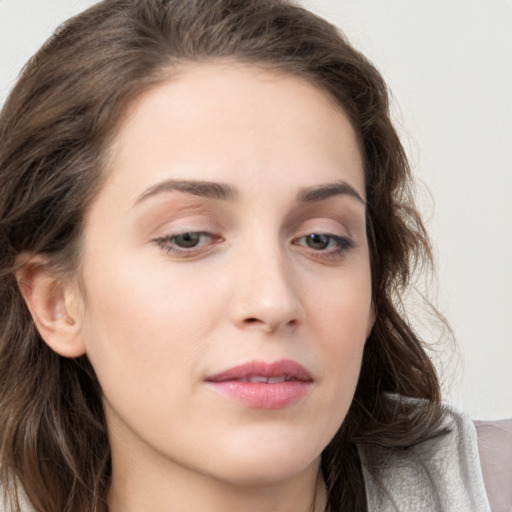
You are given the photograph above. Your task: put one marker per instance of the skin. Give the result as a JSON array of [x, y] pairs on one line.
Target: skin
[[156, 319]]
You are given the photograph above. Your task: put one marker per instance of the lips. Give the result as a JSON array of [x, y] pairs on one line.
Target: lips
[[263, 385]]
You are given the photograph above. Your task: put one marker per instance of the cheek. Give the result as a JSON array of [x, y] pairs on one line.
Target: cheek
[[342, 318], [342, 346], [339, 323], [145, 325], [342, 307]]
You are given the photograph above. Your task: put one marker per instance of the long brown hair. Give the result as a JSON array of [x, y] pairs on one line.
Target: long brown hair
[[55, 130]]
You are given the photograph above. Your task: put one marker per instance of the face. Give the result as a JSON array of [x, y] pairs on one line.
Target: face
[[225, 271]]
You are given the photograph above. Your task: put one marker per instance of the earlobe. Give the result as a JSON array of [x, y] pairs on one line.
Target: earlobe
[[53, 305]]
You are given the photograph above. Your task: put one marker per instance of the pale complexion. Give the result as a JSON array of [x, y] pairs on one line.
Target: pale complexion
[[198, 257]]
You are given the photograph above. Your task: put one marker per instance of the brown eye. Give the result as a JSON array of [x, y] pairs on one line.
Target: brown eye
[[325, 245], [317, 241], [187, 243], [188, 240]]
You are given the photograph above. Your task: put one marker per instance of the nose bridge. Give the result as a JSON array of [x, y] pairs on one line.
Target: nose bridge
[[265, 294]]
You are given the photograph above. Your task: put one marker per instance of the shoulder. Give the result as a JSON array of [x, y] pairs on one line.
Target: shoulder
[[440, 475], [495, 448]]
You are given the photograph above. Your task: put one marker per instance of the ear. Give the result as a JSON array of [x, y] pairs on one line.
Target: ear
[[54, 305]]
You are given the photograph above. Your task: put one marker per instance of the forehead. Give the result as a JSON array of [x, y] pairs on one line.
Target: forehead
[[228, 121]]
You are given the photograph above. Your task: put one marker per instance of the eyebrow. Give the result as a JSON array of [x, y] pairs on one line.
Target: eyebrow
[[225, 192], [322, 192], [212, 190]]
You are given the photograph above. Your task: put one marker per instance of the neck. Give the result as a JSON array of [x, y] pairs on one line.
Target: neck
[[135, 489]]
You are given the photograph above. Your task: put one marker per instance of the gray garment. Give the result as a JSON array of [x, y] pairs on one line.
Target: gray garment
[[440, 475]]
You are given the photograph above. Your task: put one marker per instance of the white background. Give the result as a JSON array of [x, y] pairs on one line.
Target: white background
[[449, 65]]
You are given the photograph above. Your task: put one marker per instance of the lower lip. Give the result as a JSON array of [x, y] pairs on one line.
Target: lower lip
[[262, 395]]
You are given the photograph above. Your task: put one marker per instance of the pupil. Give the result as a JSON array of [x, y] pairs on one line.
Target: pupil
[[187, 239], [316, 241]]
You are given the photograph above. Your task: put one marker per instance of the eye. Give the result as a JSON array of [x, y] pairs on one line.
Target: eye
[[332, 245], [318, 241], [189, 240], [186, 243]]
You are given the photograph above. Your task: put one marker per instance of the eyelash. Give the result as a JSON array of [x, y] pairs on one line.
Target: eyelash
[[168, 244]]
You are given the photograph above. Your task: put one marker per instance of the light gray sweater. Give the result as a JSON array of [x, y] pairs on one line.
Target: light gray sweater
[[441, 475]]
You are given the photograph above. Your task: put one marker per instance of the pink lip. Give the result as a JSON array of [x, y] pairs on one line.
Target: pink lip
[[293, 383]]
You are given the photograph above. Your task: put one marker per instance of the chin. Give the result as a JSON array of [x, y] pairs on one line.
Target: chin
[[268, 466]]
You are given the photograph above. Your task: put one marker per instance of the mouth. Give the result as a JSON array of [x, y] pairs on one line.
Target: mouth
[[261, 379], [262, 385]]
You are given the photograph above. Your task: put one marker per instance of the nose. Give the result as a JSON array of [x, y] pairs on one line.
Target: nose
[[266, 294]]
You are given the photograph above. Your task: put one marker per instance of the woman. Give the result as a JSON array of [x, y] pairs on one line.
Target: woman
[[206, 229]]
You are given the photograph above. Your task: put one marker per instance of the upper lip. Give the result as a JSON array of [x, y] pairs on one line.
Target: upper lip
[[285, 367]]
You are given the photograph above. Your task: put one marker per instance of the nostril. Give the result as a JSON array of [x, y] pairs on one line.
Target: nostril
[[251, 320]]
